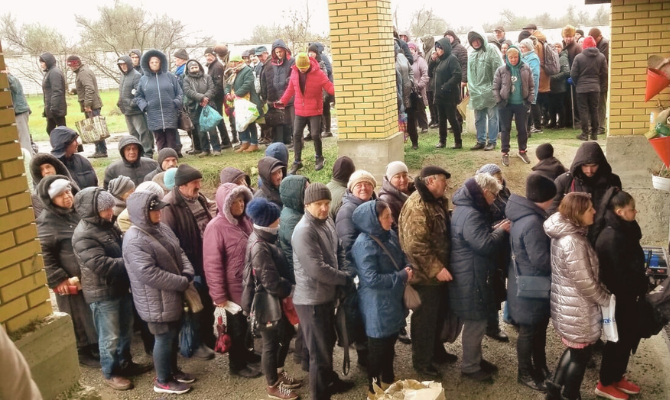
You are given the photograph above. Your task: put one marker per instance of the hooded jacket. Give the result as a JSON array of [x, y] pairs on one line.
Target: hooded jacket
[[80, 168], [276, 74], [159, 95], [344, 223], [474, 247], [158, 269], [166, 152], [531, 248], [216, 71], [244, 85], [559, 81], [342, 170], [395, 198], [575, 180], [97, 246], [196, 87], [404, 80], [224, 246], [54, 88], [545, 79], [268, 191], [87, 88], [381, 285], [45, 158], [292, 192], [502, 83], [137, 170], [550, 167], [329, 67], [533, 61], [128, 87], [231, 175], [18, 98], [461, 53], [421, 78], [138, 53], [446, 71], [309, 102], [482, 65], [425, 234], [428, 49], [576, 290], [589, 71], [279, 151]]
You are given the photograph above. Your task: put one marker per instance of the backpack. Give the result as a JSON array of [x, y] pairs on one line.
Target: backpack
[[552, 64]]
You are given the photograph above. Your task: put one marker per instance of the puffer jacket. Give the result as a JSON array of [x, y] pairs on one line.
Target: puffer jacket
[[136, 171], [309, 102], [532, 252], [276, 74], [446, 72], [576, 290], [54, 88], [421, 78], [502, 84], [224, 246], [589, 71], [533, 61], [197, 86], [482, 65], [127, 88], [231, 175], [395, 198], [87, 88], [80, 168], [344, 224], [55, 227], [38, 160], [97, 246], [268, 191], [559, 81], [265, 268], [318, 261], [292, 192], [461, 53], [243, 86], [159, 95], [381, 285], [18, 98], [158, 269], [474, 249], [404, 80], [216, 70], [425, 234]]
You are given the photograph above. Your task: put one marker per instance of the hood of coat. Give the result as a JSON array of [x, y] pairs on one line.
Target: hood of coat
[[292, 192], [453, 34], [519, 207], [137, 52], [226, 194], [428, 44], [278, 151], [387, 187], [86, 204], [125, 141], [265, 167], [231, 175], [557, 226], [201, 70], [631, 229], [591, 52], [60, 139], [471, 195], [446, 46], [281, 44], [48, 59], [144, 62], [478, 34], [590, 153], [43, 193], [129, 63], [138, 210], [45, 158], [319, 46], [343, 168], [366, 220]]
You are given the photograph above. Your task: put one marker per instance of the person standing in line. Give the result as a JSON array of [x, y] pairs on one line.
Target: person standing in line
[[531, 58], [446, 72], [136, 121], [428, 49], [54, 89], [603, 45], [216, 69], [198, 90], [275, 80], [421, 79], [558, 115], [88, 96], [64, 146], [136, 55], [132, 164], [461, 53], [589, 74], [21, 111], [343, 167], [240, 83], [573, 48]]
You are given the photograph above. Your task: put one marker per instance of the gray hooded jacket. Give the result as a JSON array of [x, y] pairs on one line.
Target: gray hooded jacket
[[136, 171], [128, 87]]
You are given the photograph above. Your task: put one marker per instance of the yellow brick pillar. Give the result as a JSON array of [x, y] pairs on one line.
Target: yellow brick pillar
[[361, 35]]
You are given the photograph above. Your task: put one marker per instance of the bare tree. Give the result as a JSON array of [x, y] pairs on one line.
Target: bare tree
[[602, 16], [264, 34], [426, 22]]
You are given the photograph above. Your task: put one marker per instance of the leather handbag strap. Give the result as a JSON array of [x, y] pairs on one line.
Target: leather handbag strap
[[388, 253]]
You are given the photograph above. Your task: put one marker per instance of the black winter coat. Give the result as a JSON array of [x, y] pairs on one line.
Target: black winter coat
[[159, 95], [532, 250], [127, 88], [461, 53], [550, 167], [215, 70], [80, 168], [54, 88], [589, 71], [267, 191], [97, 246], [197, 86], [276, 75], [447, 76], [136, 171]]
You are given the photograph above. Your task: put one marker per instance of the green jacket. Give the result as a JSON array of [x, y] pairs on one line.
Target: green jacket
[[482, 65], [244, 84], [87, 89], [337, 190], [19, 100], [292, 192]]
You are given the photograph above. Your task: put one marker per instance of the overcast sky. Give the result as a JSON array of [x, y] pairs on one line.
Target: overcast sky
[[230, 21]]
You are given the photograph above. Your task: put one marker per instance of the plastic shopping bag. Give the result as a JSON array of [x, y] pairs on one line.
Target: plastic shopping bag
[[246, 112], [409, 390], [610, 332], [209, 118]]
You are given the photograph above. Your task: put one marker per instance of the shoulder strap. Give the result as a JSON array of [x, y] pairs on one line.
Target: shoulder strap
[[172, 261], [379, 242]]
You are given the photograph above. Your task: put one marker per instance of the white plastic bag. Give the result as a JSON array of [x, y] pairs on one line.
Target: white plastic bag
[[246, 112], [610, 332]]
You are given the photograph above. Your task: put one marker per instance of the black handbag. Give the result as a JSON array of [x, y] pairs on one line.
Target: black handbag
[[274, 117], [531, 287], [266, 311], [184, 121]]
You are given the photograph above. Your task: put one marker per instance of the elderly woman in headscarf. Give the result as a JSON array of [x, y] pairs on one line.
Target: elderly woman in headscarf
[[198, 90], [420, 70], [240, 84], [55, 227], [529, 57]]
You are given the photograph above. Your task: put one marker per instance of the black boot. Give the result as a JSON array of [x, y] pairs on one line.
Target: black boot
[[363, 358], [526, 379]]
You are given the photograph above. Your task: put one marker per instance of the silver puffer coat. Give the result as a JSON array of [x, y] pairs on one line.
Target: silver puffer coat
[[576, 291]]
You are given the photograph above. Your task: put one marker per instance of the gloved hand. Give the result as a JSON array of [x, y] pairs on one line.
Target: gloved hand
[[570, 82]]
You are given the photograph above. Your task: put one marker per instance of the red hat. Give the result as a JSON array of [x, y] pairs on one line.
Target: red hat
[[588, 43]]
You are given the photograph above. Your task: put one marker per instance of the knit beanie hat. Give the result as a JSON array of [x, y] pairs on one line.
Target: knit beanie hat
[[120, 186], [523, 35], [343, 168], [539, 188], [105, 201], [581, 32], [262, 212], [57, 187], [490, 169], [166, 152], [209, 50], [569, 30], [313, 47], [588, 43], [361, 176], [169, 178], [317, 191], [528, 43], [395, 168], [153, 187], [185, 174], [302, 61], [235, 58], [434, 170], [544, 151], [181, 53], [73, 61]]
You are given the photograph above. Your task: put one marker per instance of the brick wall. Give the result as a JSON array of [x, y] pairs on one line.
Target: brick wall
[[361, 34], [24, 296], [639, 30]]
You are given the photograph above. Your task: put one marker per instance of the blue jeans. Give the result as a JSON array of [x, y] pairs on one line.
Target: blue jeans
[[249, 135], [481, 124], [113, 321], [165, 349]]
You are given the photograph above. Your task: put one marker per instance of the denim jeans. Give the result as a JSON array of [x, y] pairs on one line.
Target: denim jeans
[[249, 135], [113, 321], [165, 349], [481, 124]]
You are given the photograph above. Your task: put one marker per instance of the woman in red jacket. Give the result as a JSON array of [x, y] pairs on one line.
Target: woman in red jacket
[[306, 84]]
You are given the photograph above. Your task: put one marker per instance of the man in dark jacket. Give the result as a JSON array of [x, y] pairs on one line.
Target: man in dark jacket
[[97, 245], [603, 45], [64, 147], [55, 89], [446, 91], [271, 171], [215, 69], [167, 158], [589, 74], [135, 119], [461, 53], [136, 55], [132, 164], [188, 216], [424, 228], [320, 268], [88, 97], [275, 80], [558, 114]]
